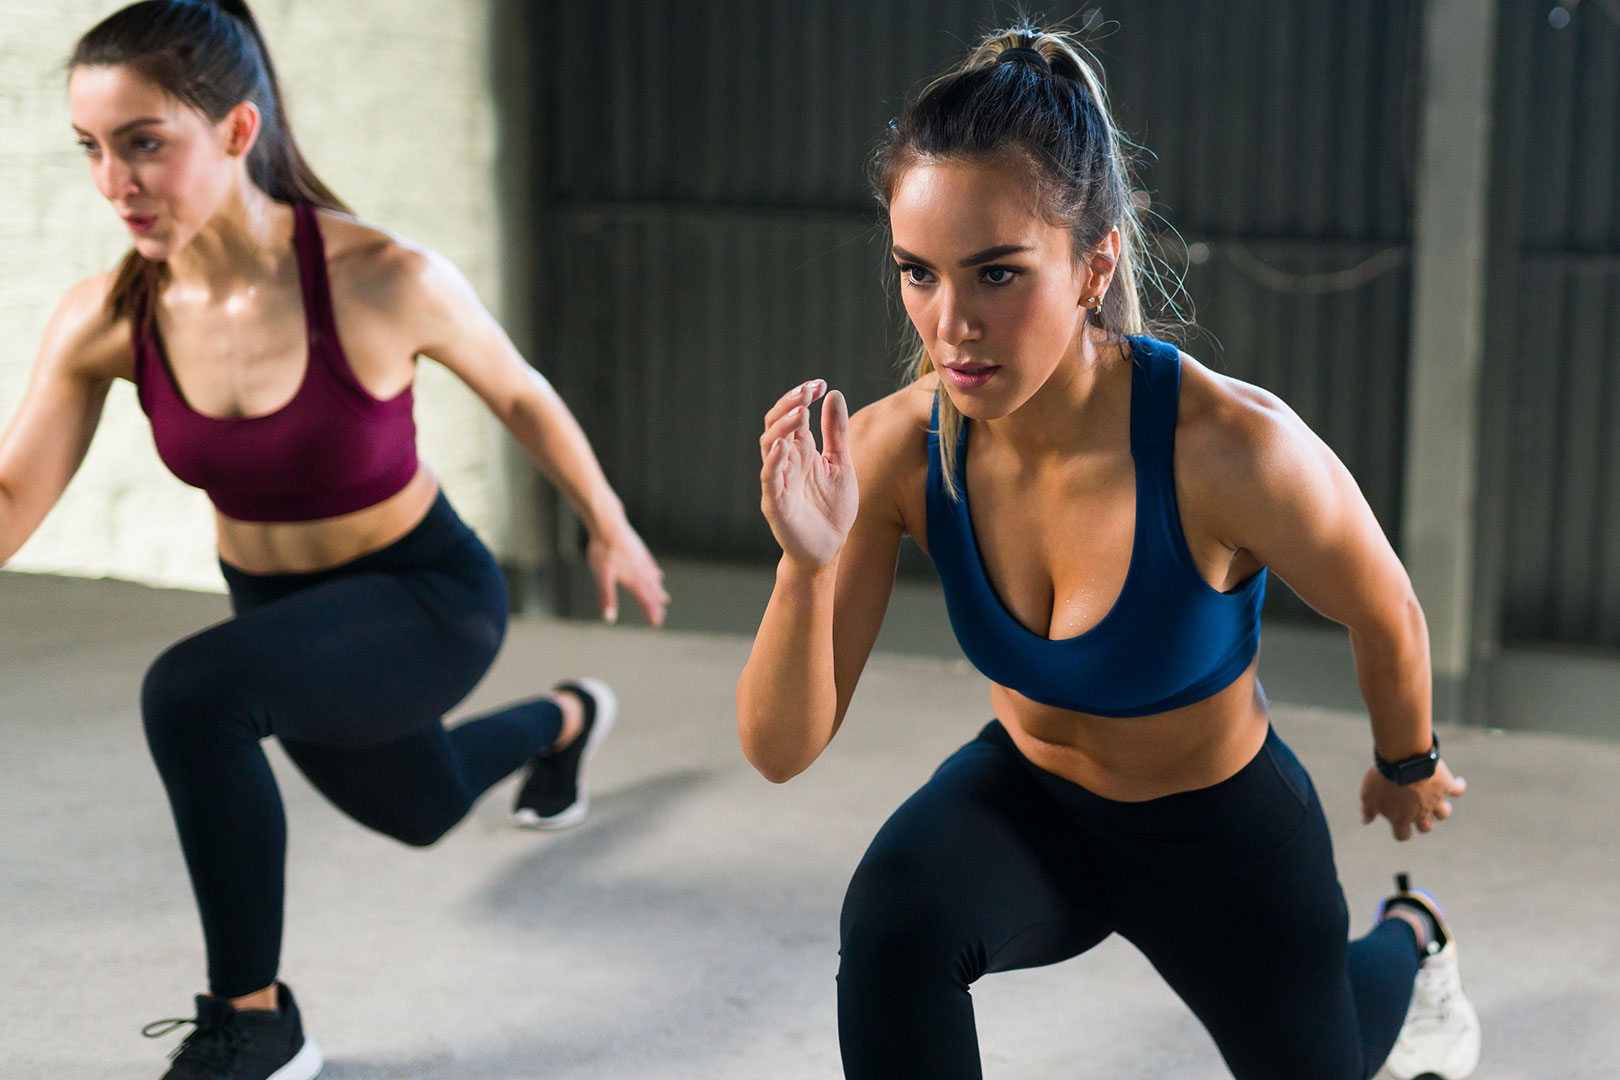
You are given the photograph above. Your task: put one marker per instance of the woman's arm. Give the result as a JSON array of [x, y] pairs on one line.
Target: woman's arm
[[451, 325], [50, 435], [1281, 494], [836, 518]]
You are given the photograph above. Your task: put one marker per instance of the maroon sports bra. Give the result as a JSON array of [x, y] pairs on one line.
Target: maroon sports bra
[[333, 449]]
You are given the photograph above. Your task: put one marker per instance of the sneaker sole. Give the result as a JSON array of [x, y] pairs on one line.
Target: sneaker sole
[[305, 1065], [607, 711]]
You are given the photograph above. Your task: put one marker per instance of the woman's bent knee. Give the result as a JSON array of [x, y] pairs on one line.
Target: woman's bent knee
[[421, 834], [183, 694], [899, 918], [411, 822]]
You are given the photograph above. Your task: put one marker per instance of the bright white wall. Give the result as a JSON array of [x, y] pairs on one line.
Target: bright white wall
[[392, 104]]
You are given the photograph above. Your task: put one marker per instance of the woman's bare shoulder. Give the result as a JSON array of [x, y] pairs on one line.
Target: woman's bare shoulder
[[889, 439], [367, 258], [389, 275], [1235, 440], [84, 338], [892, 432]]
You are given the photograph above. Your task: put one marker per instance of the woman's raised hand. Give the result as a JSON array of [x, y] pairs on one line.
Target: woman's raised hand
[[809, 497]]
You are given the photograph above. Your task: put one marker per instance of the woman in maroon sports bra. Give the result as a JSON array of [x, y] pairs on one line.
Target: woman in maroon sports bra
[[272, 339]]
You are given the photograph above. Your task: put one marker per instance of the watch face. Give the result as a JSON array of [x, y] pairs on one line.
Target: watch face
[[1410, 772], [1412, 769]]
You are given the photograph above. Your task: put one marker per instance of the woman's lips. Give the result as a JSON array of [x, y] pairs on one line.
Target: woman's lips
[[972, 376], [140, 223]]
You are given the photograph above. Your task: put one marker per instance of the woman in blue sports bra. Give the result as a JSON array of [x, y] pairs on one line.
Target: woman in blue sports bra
[[1102, 511]]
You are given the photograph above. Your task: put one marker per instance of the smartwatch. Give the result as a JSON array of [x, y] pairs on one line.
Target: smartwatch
[[1413, 769]]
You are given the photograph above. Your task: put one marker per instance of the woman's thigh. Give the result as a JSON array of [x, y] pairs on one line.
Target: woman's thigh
[[1256, 944], [358, 660], [979, 871]]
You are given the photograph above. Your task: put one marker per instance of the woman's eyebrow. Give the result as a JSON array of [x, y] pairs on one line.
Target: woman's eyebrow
[[989, 254], [131, 126]]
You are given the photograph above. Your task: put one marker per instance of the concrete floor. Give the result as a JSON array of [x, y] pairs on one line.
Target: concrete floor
[[688, 929]]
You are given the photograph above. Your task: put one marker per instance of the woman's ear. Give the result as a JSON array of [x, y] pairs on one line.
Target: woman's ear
[[1102, 263], [240, 129]]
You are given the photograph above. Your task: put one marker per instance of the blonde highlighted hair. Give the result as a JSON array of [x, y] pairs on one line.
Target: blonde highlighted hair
[[1050, 114]]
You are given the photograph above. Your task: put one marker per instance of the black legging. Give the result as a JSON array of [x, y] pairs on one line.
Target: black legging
[[352, 669], [1229, 891]]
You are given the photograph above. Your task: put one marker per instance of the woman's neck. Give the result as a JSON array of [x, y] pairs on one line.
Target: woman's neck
[[244, 244], [1068, 413]]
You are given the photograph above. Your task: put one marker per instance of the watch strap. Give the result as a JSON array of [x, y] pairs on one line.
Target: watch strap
[[1412, 769]]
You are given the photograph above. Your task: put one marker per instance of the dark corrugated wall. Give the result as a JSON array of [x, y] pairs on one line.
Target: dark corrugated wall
[[706, 239], [1551, 527]]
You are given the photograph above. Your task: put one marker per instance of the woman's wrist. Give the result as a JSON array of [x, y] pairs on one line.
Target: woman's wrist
[[603, 515], [1409, 768], [791, 570]]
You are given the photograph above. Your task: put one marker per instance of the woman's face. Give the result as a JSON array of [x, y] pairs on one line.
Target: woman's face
[[162, 165], [994, 290]]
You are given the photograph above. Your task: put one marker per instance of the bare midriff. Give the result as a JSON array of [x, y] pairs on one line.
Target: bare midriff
[[304, 547], [1133, 759]]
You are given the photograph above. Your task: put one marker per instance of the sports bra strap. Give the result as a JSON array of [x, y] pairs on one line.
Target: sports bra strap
[[1155, 392], [317, 290]]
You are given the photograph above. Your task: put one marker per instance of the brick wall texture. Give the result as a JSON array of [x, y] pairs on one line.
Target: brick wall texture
[[390, 101]]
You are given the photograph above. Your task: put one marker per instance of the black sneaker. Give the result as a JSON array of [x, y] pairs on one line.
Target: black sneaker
[[249, 1045], [553, 795]]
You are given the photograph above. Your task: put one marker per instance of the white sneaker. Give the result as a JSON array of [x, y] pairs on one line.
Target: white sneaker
[[1440, 1037]]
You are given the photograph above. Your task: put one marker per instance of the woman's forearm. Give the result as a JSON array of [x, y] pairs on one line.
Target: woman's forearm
[[1392, 666], [543, 425], [787, 697]]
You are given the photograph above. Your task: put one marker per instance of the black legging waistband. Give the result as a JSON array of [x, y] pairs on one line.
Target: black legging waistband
[[441, 534]]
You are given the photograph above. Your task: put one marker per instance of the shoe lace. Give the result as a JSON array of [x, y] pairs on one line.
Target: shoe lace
[[214, 1046], [1431, 998]]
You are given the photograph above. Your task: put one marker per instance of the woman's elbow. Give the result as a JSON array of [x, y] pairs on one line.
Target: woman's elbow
[[776, 772], [1398, 626], [773, 765]]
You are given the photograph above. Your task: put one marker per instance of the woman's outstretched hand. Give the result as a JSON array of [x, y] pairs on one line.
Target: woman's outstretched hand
[[809, 497], [1417, 806], [619, 557]]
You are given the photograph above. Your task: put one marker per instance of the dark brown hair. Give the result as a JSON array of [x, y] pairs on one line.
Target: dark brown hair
[[1044, 106], [211, 57]]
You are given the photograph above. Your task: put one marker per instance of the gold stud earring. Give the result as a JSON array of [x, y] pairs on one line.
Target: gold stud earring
[[1091, 302]]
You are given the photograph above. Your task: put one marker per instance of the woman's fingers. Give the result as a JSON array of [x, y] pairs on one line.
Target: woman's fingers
[[835, 425], [800, 396], [772, 469], [607, 594], [627, 563], [793, 425], [654, 600], [788, 424], [795, 396], [1369, 805]]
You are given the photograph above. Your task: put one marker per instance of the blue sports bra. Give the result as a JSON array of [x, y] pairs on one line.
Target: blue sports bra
[[1168, 641]]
